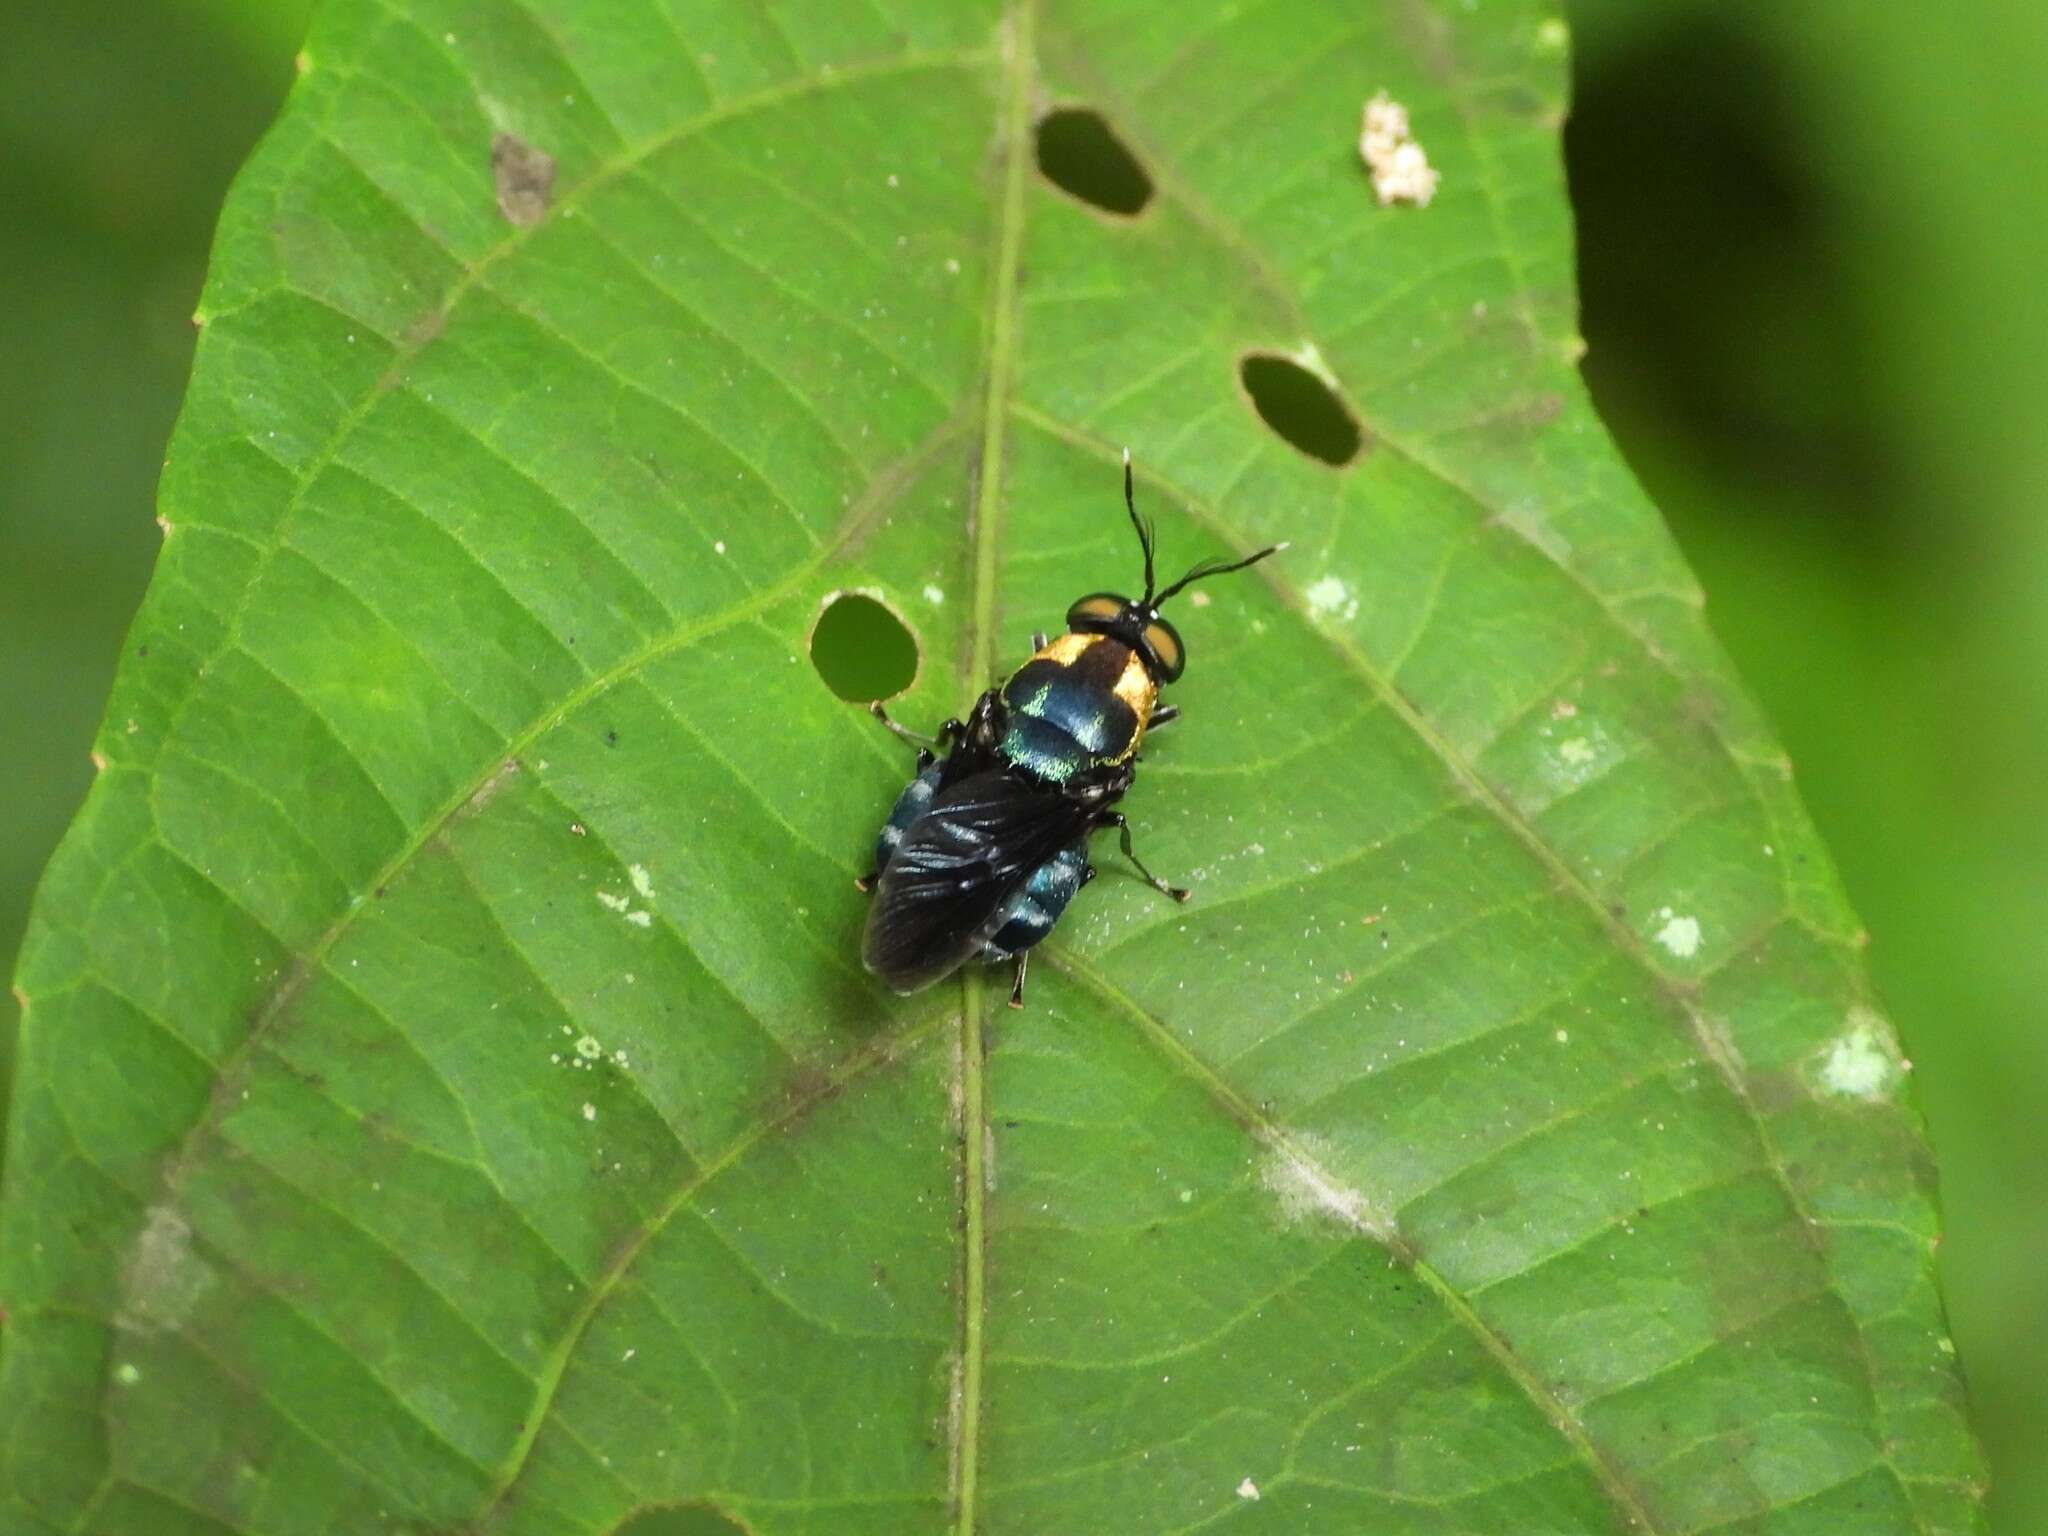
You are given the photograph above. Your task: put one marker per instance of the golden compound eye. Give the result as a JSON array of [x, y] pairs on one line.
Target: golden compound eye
[[1165, 646], [1102, 606]]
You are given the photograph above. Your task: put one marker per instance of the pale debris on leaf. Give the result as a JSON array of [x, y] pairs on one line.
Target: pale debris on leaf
[[1295, 1174], [1401, 172], [1680, 935], [642, 881], [163, 1278], [1864, 1061], [1331, 601], [1248, 1489]]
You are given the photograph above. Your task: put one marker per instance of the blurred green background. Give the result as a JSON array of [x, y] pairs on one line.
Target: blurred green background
[[1814, 244]]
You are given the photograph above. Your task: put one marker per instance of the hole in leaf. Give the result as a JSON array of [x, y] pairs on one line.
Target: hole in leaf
[[681, 1520], [1301, 407], [861, 649], [1080, 154]]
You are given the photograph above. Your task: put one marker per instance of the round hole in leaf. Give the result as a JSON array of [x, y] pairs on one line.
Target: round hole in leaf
[[1080, 154], [862, 649], [681, 1520], [1301, 407]]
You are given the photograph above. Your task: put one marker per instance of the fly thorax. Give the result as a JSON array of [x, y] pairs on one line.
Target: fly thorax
[[1082, 699]]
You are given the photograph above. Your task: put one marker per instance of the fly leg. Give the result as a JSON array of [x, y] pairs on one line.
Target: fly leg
[[1116, 819], [927, 746], [866, 883], [1038, 641], [1165, 714], [1017, 985]]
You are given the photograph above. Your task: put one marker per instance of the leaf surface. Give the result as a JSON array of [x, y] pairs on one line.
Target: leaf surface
[[449, 1098]]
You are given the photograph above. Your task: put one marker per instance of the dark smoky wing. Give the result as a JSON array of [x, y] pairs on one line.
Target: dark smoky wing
[[955, 868]]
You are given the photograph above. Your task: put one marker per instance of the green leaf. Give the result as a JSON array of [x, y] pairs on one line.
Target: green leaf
[[449, 1098]]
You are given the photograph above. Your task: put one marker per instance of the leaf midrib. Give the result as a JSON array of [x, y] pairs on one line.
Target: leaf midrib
[[1013, 148]]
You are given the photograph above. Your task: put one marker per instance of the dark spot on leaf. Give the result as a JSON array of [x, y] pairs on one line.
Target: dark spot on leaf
[[1079, 153], [681, 1520], [524, 176], [862, 649], [1301, 407], [611, 738], [426, 328]]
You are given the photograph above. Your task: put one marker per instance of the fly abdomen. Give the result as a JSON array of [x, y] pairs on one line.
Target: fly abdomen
[[915, 800], [1030, 915]]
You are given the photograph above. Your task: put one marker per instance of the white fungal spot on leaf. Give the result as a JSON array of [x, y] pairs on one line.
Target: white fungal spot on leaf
[[934, 593], [163, 1278], [1248, 1490], [1864, 1061], [1679, 934], [1581, 754], [1296, 1176], [1330, 601], [615, 903], [642, 881], [640, 919]]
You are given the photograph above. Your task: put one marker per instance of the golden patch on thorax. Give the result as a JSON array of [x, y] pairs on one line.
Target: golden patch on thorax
[[1066, 649], [1133, 685], [1137, 689]]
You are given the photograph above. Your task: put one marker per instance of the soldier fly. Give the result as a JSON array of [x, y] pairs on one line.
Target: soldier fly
[[989, 842]]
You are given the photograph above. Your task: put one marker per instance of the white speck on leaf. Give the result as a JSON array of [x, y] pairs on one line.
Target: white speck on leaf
[[1294, 1174], [1580, 757], [640, 919], [1248, 1490], [589, 1111], [934, 593], [1330, 601], [1401, 172], [1864, 1061], [1680, 935], [615, 903], [126, 1374], [588, 1048], [163, 1278], [642, 881]]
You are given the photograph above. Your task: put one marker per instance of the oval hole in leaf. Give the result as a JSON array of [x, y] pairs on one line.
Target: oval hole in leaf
[[1080, 154], [686, 1520], [862, 649], [1303, 409]]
